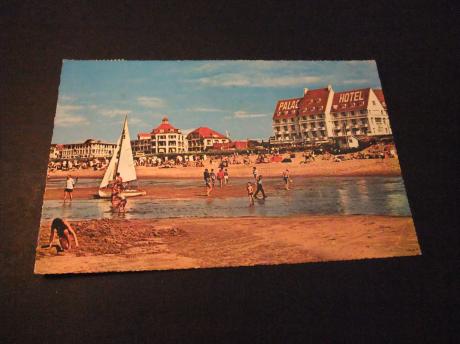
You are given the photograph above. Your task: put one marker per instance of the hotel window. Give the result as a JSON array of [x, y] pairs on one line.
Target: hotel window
[[336, 123], [323, 133], [352, 113], [285, 128], [293, 127], [312, 117], [362, 112], [353, 121], [373, 102], [304, 118], [343, 114]]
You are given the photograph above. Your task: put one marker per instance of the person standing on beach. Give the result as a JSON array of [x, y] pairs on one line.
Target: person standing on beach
[[64, 231], [213, 177], [69, 185], [226, 176], [260, 188], [250, 190], [286, 179], [207, 181], [220, 177], [255, 173]]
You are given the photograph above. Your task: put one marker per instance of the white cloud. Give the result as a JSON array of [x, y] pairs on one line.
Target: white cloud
[[257, 80], [66, 116], [225, 80], [356, 81], [244, 114], [199, 109], [114, 112], [151, 102]]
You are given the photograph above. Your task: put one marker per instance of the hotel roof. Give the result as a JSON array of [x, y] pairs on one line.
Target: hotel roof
[[205, 132], [165, 127], [314, 101], [379, 93], [287, 108]]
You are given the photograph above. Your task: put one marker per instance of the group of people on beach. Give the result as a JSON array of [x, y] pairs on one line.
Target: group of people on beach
[[259, 185], [211, 177]]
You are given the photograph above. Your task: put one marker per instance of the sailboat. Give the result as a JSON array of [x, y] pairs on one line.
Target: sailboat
[[121, 162]]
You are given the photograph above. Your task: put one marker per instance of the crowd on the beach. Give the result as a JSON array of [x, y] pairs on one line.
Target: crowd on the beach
[[376, 151]]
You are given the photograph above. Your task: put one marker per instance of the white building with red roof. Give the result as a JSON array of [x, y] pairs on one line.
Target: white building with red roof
[[322, 115], [359, 112], [163, 139], [203, 138]]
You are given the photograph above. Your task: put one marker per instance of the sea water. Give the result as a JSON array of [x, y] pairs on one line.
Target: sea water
[[310, 196]]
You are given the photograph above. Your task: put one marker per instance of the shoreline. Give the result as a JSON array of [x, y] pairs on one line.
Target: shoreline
[[190, 243], [197, 190], [319, 168]]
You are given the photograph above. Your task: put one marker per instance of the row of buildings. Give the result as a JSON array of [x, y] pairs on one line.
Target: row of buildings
[[164, 139], [325, 116], [319, 116]]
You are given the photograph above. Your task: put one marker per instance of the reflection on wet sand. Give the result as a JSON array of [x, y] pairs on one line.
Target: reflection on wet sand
[[343, 196]]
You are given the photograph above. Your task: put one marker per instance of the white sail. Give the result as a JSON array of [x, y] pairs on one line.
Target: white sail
[[122, 160], [126, 166], [110, 171]]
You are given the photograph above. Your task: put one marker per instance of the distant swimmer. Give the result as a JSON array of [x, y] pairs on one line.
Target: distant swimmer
[[64, 231], [69, 186], [250, 190]]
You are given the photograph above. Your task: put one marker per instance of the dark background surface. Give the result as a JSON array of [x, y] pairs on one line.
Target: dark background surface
[[400, 299]]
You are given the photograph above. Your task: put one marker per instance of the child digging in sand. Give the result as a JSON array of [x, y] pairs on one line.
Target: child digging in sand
[[64, 231], [250, 190]]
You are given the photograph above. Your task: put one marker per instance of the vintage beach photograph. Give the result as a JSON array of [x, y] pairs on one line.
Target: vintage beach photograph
[[159, 165]]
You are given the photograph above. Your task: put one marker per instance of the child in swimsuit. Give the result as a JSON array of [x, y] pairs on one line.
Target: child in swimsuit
[[64, 230], [250, 190]]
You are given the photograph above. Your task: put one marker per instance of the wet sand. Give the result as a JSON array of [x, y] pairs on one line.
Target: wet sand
[[170, 192], [318, 168], [185, 243]]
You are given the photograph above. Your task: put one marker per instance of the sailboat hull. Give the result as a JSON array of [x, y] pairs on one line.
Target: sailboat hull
[[126, 193]]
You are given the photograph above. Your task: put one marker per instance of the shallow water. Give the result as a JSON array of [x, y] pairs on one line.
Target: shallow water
[[326, 195]]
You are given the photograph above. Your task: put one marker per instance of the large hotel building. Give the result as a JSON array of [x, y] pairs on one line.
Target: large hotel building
[[323, 115]]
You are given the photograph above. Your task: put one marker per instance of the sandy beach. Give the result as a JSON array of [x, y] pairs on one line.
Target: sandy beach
[[364, 167], [185, 243]]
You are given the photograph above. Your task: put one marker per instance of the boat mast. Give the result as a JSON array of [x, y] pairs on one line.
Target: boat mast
[[121, 145]]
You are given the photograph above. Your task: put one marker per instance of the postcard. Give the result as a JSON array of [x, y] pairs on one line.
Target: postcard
[[158, 165]]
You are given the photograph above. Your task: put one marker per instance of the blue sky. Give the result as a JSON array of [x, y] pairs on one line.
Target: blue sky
[[234, 96]]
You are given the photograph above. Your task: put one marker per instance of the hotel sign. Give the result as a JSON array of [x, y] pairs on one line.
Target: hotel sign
[[351, 96], [289, 105]]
